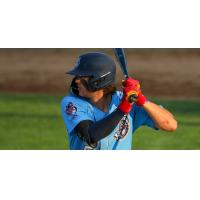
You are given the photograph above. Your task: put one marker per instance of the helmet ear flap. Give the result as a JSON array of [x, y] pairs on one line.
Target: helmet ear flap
[[101, 82], [94, 84]]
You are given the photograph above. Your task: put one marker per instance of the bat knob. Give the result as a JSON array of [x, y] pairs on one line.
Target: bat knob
[[133, 98]]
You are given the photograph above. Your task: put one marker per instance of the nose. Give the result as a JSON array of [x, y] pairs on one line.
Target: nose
[[77, 81]]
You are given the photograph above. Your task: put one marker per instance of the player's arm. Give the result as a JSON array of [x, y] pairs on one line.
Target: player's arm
[[93, 132], [163, 119]]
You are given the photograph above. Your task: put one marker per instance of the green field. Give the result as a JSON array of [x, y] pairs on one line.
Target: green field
[[34, 122]]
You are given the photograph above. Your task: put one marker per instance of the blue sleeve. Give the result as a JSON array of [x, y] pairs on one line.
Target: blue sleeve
[[141, 118], [74, 111]]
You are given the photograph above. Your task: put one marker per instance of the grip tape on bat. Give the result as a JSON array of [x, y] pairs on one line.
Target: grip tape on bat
[[133, 98]]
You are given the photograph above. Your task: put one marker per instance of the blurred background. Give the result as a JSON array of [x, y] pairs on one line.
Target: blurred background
[[33, 82]]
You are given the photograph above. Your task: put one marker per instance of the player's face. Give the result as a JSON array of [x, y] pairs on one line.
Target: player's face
[[83, 91]]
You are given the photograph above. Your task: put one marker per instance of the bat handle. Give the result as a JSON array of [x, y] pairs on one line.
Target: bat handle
[[133, 98]]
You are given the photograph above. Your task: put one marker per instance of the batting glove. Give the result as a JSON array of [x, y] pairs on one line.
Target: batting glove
[[131, 88], [141, 100]]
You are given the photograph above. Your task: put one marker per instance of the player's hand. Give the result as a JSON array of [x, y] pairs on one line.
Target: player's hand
[[141, 100], [131, 88], [133, 93]]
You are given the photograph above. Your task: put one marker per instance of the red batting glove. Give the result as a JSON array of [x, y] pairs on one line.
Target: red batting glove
[[131, 87], [141, 99]]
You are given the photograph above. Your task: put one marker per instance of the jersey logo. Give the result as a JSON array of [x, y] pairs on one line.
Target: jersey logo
[[123, 128], [71, 109]]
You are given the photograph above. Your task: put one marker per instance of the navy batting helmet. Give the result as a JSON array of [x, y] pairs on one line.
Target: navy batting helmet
[[99, 67]]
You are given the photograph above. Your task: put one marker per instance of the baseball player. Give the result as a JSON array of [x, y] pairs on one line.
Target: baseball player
[[99, 117]]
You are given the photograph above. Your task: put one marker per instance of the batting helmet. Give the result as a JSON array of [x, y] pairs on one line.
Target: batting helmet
[[99, 67]]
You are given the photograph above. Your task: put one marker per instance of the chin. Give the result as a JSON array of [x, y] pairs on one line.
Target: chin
[[82, 94]]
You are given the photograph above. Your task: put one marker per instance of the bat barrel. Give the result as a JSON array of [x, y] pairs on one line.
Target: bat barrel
[[120, 55]]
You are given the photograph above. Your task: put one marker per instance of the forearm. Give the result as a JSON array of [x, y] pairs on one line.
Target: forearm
[[93, 132], [163, 119], [104, 127]]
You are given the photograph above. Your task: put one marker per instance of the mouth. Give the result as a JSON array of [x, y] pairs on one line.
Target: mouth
[[78, 86]]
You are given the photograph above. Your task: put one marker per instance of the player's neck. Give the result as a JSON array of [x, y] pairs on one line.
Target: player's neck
[[101, 101]]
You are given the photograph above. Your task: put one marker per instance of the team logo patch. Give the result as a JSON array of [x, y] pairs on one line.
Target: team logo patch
[[71, 109], [123, 128]]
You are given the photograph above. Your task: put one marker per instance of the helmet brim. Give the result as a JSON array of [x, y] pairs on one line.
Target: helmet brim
[[71, 72], [77, 72]]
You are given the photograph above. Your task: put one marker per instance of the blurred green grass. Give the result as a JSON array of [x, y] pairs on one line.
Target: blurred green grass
[[33, 121], [187, 135]]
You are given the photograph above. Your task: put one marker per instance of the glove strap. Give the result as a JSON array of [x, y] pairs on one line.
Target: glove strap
[[125, 106], [141, 100]]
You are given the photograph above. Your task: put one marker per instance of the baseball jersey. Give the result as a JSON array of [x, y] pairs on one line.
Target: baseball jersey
[[76, 109]]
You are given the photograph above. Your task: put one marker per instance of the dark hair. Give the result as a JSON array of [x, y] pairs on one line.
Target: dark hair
[[111, 89]]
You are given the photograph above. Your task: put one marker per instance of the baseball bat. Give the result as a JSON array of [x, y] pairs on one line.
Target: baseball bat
[[120, 55], [121, 58]]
